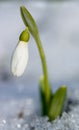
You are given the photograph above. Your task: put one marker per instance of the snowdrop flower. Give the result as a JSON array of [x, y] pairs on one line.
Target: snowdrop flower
[[20, 55]]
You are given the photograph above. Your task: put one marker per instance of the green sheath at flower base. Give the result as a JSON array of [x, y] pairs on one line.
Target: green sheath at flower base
[[24, 36], [29, 21]]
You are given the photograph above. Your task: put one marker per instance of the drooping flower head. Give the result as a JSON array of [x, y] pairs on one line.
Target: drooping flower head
[[20, 55]]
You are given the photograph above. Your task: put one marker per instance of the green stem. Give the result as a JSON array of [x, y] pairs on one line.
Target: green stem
[[31, 24], [44, 66]]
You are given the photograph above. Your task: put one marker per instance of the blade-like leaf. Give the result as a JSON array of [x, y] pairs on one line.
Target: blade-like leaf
[[42, 96], [45, 106], [29, 21], [57, 103]]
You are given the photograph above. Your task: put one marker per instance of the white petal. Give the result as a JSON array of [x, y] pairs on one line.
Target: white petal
[[20, 59]]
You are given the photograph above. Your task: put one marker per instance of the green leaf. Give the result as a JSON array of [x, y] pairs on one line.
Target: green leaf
[[29, 21], [42, 96], [57, 103], [45, 106]]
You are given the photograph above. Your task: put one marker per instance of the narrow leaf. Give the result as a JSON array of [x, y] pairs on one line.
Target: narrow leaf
[[57, 103], [42, 96], [45, 106]]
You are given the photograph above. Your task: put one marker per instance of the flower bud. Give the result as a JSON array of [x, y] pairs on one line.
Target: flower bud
[[20, 59]]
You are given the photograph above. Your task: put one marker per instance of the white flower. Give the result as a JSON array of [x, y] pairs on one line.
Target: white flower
[[20, 58]]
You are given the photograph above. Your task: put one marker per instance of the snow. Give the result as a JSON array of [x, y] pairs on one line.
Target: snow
[[31, 118]]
